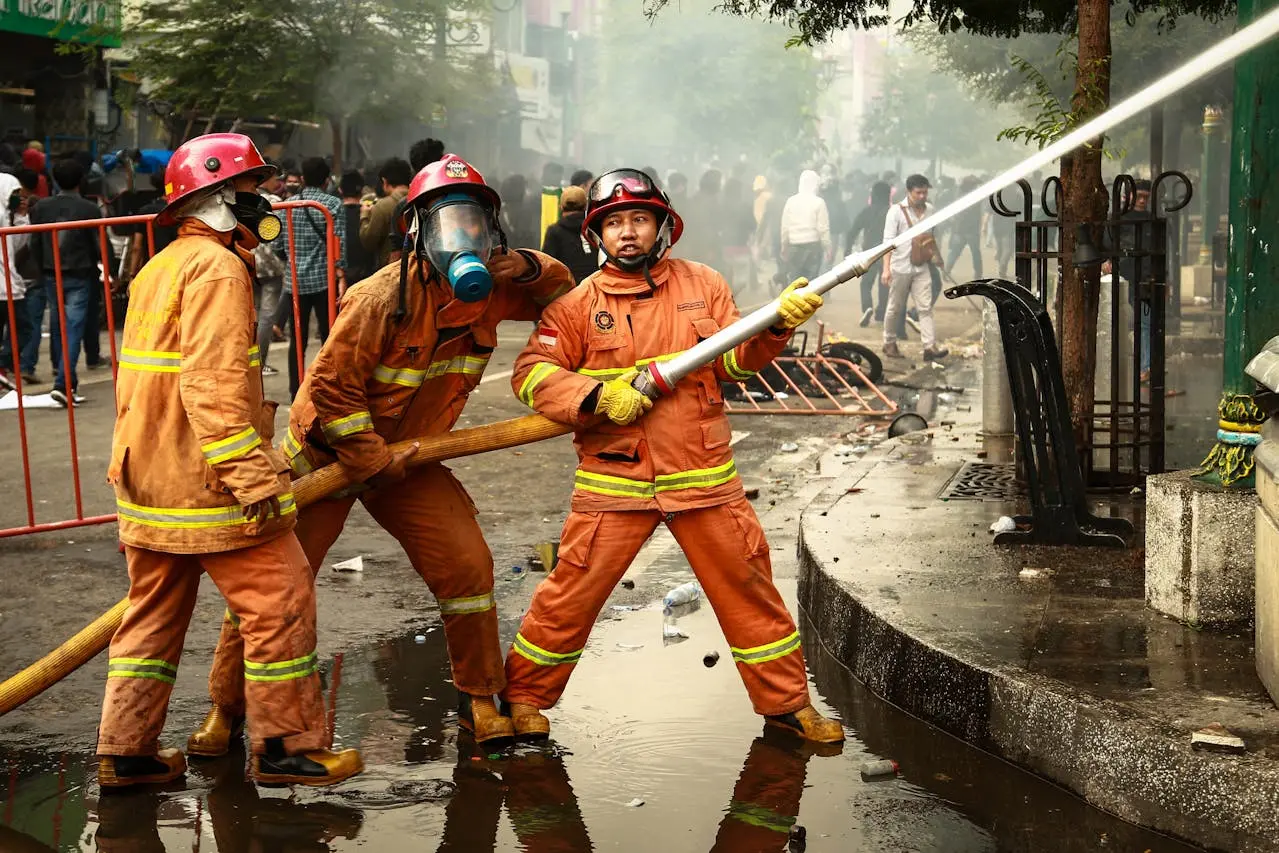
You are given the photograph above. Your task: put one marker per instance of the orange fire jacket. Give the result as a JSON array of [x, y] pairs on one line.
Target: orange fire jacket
[[192, 440], [675, 457], [377, 380]]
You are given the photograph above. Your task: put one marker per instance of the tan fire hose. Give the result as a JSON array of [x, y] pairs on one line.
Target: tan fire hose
[[96, 636]]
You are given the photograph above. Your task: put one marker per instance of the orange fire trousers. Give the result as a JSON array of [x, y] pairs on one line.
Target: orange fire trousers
[[433, 518], [269, 586], [726, 548]]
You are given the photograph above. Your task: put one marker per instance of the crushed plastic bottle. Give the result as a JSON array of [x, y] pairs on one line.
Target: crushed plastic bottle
[[683, 594], [879, 769]]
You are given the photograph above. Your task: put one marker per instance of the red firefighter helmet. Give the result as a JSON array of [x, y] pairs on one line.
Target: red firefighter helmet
[[206, 161], [624, 189], [449, 174]]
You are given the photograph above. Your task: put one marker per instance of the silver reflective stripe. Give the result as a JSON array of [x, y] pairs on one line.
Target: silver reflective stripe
[[151, 361], [231, 448], [471, 604], [193, 519], [152, 668]]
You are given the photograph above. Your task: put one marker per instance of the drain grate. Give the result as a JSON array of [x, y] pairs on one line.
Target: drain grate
[[983, 481]]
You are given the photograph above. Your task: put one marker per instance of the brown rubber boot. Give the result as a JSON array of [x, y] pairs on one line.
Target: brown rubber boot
[[810, 725], [122, 771], [317, 768], [213, 738], [892, 351], [479, 716], [529, 722]]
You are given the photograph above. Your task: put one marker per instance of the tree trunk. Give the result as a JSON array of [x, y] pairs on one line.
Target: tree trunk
[[1084, 201], [336, 134]]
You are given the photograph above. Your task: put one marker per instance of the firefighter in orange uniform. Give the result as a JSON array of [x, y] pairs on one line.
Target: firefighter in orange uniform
[[638, 468], [199, 489], [410, 343]]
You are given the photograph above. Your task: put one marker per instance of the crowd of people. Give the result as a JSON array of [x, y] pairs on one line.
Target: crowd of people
[[755, 230]]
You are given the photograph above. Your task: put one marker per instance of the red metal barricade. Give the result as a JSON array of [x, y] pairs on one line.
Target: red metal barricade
[[34, 474]]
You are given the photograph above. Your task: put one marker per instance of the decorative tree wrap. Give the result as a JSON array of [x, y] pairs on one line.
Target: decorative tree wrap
[[1230, 463]]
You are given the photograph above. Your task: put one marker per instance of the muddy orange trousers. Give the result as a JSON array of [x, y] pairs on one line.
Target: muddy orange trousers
[[725, 547], [433, 518], [269, 586]]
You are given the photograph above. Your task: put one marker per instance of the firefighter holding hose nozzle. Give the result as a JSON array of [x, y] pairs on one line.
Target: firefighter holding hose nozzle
[[409, 345], [199, 488], [642, 462]]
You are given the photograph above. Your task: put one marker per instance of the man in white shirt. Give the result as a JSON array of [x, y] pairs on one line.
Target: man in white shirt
[[806, 242], [904, 277]]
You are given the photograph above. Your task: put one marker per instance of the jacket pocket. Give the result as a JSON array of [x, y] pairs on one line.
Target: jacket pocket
[[704, 327], [716, 433], [747, 523], [579, 538], [115, 470], [266, 421], [611, 447], [606, 342]]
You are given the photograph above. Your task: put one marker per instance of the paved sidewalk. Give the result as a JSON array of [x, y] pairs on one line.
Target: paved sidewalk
[[1067, 674]]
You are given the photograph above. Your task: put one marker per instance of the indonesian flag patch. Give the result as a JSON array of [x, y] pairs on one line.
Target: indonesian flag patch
[[547, 337]]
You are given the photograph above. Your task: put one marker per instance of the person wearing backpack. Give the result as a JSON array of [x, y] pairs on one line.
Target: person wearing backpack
[[908, 272]]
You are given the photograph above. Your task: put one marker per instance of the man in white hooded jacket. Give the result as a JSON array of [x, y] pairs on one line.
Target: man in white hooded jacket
[[806, 243], [13, 211]]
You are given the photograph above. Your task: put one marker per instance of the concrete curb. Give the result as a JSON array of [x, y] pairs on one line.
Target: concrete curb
[[1135, 767]]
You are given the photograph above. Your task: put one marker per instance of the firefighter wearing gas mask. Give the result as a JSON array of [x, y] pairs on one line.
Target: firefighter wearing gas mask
[[409, 344], [200, 489], [643, 462]]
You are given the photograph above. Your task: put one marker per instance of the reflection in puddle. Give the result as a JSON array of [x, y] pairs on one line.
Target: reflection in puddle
[[653, 751]]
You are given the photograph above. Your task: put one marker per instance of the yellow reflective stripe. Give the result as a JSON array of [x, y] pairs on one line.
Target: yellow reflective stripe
[[761, 816], [283, 670], [231, 448], [158, 670], [604, 484], [541, 656], [770, 651], [470, 604], [406, 376], [192, 519], [410, 378], [293, 455], [339, 429], [255, 356], [732, 368], [606, 373], [703, 478], [540, 371], [150, 361]]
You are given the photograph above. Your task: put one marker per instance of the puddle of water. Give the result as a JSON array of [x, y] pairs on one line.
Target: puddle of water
[[641, 721]]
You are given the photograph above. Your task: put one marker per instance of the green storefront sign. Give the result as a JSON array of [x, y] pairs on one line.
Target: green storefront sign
[[89, 21]]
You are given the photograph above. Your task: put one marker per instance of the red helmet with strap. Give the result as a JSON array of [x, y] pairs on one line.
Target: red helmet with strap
[[449, 174], [625, 189], [207, 161]]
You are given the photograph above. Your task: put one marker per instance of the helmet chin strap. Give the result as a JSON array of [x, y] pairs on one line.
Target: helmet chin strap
[[642, 265]]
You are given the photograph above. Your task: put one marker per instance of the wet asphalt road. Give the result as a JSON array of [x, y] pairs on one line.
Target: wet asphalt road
[[642, 721]]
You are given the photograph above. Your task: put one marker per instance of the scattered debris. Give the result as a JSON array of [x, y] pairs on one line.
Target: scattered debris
[[1029, 574], [515, 570], [673, 632], [626, 608], [1104, 583], [879, 769], [843, 450], [781, 395], [685, 593], [630, 647], [798, 840], [1217, 738], [874, 515], [355, 564], [1004, 525], [790, 447], [635, 803], [1136, 490], [628, 584], [861, 449], [853, 490], [710, 659], [1174, 392], [420, 639], [752, 493]]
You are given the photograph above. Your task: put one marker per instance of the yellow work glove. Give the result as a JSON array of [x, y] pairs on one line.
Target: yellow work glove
[[621, 403], [796, 306]]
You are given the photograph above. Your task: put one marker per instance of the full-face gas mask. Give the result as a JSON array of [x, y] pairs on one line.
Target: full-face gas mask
[[456, 236]]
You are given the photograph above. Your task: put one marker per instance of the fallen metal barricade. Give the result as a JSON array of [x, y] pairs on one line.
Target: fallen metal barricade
[[838, 380], [1054, 478], [40, 485]]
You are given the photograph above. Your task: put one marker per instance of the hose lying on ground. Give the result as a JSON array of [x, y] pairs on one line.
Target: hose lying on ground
[[317, 485]]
